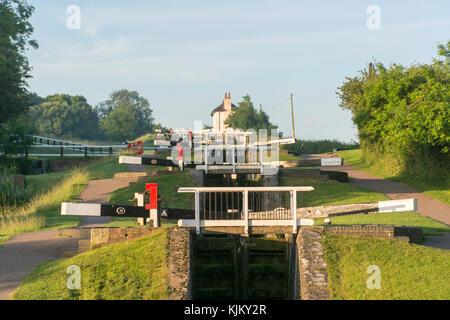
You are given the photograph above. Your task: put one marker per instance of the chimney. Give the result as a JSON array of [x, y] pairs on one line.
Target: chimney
[[227, 102]]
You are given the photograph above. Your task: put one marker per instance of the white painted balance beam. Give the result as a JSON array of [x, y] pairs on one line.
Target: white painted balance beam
[[241, 223], [401, 205], [102, 210], [81, 209], [130, 160], [325, 162]]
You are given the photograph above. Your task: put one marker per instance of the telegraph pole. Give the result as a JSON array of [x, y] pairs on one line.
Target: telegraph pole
[[292, 114]]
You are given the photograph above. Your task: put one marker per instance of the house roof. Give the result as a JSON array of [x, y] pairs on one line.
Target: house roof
[[221, 108]]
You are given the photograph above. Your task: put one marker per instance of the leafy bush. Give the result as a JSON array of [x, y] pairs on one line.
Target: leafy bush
[[403, 116], [12, 195], [15, 166], [319, 146]]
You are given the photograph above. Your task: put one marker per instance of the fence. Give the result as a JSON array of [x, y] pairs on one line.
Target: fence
[[244, 206]]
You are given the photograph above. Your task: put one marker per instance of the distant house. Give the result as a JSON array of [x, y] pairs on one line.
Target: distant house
[[221, 113]]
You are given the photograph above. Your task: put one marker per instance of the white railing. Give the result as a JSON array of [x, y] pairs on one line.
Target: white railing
[[246, 218]]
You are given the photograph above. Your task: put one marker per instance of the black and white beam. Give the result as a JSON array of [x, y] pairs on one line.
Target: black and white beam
[[100, 210]]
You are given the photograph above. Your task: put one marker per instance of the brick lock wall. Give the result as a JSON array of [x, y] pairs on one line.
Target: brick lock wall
[[106, 236], [374, 231]]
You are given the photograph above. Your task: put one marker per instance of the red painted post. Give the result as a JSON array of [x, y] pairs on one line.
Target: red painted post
[[155, 219]]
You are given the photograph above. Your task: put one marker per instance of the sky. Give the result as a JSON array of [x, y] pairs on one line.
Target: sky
[[184, 55]]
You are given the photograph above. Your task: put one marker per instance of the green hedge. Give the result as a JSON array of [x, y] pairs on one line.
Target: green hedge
[[15, 165]]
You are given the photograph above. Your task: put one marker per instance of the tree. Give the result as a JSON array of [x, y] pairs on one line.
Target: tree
[[120, 124], [114, 121], [403, 113], [65, 115], [15, 33], [444, 50], [245, 117]]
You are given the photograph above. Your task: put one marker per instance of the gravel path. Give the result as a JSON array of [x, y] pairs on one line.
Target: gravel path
[[23, 253], [98, 191], [395, 190], [427, 206]]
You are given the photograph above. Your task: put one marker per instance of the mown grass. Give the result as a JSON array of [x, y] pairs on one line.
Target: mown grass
[[430, 227], [106, 168], [329, 192], [407, 271], [134, 270], [439, 191]]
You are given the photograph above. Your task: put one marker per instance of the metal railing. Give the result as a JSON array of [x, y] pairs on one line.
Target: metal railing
[[220, 205], [244, 206]]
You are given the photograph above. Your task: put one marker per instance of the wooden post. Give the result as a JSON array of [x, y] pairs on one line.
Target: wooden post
[[62, 152], [139, 201], [85, 152], [292, 114], [294, 210], [245, 207], [197, 212]]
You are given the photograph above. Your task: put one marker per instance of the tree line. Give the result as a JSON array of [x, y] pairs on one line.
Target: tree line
[[403, 115], [124, 115]]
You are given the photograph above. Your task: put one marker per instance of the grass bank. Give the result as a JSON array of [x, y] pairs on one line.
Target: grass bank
[[407, 271], [439, 191], [43, 210], [329, 192], [134, 270], [105, 169]]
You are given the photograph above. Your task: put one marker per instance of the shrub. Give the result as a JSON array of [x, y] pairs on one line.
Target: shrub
[[12, 195]]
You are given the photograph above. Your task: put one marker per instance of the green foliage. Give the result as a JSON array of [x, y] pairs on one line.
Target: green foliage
[[12, 195], [407, 271], [15, 32], [403, 112], [134, 270], [318, 146], [444, 51], [64, 115], [120, 124], [125, 115], [15, 165], [245, 117], [43, 211]]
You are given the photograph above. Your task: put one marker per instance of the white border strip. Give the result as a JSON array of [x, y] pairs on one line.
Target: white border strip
[[130, 160], [241, 223], [324, 162], [397, 205], [81, 209]]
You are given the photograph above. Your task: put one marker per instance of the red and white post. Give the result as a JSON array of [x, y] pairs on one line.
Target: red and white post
[[155, 219]]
